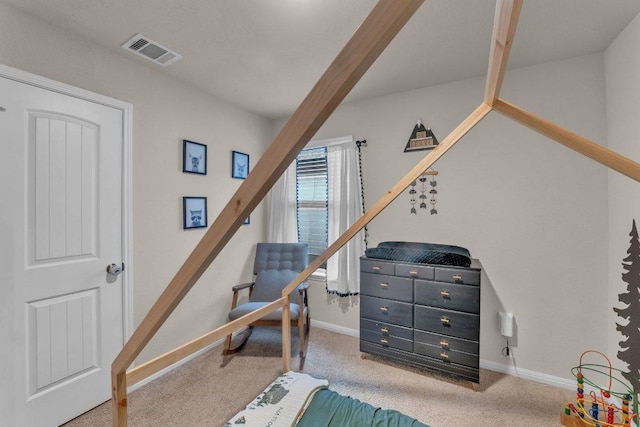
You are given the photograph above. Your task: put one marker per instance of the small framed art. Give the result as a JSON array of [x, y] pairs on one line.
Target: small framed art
[[194, 212], [239, 165], [194, 157], [247, 221]]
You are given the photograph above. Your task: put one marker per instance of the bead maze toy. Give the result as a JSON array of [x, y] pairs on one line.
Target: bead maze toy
[[602, 406]]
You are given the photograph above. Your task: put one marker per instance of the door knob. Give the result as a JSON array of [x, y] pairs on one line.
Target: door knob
[[115, 269]]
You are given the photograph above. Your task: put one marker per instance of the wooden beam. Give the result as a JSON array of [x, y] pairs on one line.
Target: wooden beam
[[415, 173], [153, 366], [569, 139], [375, 33], [286, 335], [377, 30], [504, 30], [119, 399]]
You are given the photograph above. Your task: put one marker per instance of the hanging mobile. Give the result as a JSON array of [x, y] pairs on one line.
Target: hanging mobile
[[413, 192], [423, 189], [433, 193]]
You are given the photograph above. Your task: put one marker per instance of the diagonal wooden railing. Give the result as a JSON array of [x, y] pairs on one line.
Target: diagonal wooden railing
[[378, 29]]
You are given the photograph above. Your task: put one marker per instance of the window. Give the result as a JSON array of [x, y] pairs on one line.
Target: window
[[312, 200], [315, 201]]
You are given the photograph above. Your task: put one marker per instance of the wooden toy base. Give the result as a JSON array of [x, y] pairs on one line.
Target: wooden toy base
[[572, 420]]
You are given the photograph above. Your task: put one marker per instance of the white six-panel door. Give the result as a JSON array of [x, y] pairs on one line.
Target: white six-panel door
[[61, 219]]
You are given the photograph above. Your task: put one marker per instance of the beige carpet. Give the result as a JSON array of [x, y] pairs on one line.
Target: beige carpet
[[212, 388]]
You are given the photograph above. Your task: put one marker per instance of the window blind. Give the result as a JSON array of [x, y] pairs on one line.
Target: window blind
[[312, 199]]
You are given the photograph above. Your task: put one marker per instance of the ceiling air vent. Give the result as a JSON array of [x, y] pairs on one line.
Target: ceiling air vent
[[151, 50]]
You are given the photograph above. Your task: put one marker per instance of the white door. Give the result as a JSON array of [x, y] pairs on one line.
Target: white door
[[61, 313]]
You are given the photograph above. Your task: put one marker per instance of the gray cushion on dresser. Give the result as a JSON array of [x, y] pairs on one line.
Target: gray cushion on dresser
[[421, 253]]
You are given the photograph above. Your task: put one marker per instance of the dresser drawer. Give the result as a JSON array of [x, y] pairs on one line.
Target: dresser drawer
[[370, 265], [457, 275], [386, 329], [383, 286], [398, 313], [415, 271], [447, 322], [444, 342], [449, 356], [386, 340], [435, 365], [447, 295]]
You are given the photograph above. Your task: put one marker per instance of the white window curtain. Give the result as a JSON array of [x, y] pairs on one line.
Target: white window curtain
[[282, 226], [344, 208]]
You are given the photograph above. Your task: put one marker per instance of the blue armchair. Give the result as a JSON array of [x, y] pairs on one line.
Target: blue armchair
[[275, 266]]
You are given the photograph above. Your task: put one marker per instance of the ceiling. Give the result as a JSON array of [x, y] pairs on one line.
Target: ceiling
[[265, 55]]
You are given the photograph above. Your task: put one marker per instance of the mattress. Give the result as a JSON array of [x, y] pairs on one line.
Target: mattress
[[330, 409], [297, 399], [421, 253]]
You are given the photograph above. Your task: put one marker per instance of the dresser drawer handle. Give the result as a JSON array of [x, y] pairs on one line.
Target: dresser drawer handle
[[375, 267], [384, 308], [445, 294], [445, 320], [457, 277], [444, 355], [444, 343], [413, 272], [384, 341], [384, 285], [384, 330]]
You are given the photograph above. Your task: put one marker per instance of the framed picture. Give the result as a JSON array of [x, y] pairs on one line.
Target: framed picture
[[194, 212], [239, 165], [194, 157], [247, 221]]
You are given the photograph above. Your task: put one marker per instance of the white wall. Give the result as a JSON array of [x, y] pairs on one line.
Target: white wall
[[164, 112], [532, 211], [622, 62]]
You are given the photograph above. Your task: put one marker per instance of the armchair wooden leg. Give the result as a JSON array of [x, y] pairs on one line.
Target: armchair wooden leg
[[301, 332], [302, 328], [227, 346]]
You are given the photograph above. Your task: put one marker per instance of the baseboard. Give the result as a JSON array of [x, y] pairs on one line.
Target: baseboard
[[335, 328], [539, 377]]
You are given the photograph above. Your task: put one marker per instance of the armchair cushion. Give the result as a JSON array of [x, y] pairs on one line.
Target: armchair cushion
[[269, 284], [280, 256], [247, 308]]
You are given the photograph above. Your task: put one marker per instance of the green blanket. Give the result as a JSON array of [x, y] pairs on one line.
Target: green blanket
[[330, 409]]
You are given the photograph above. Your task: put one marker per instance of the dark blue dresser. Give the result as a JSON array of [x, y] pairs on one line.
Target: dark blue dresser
[[423, 315]]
